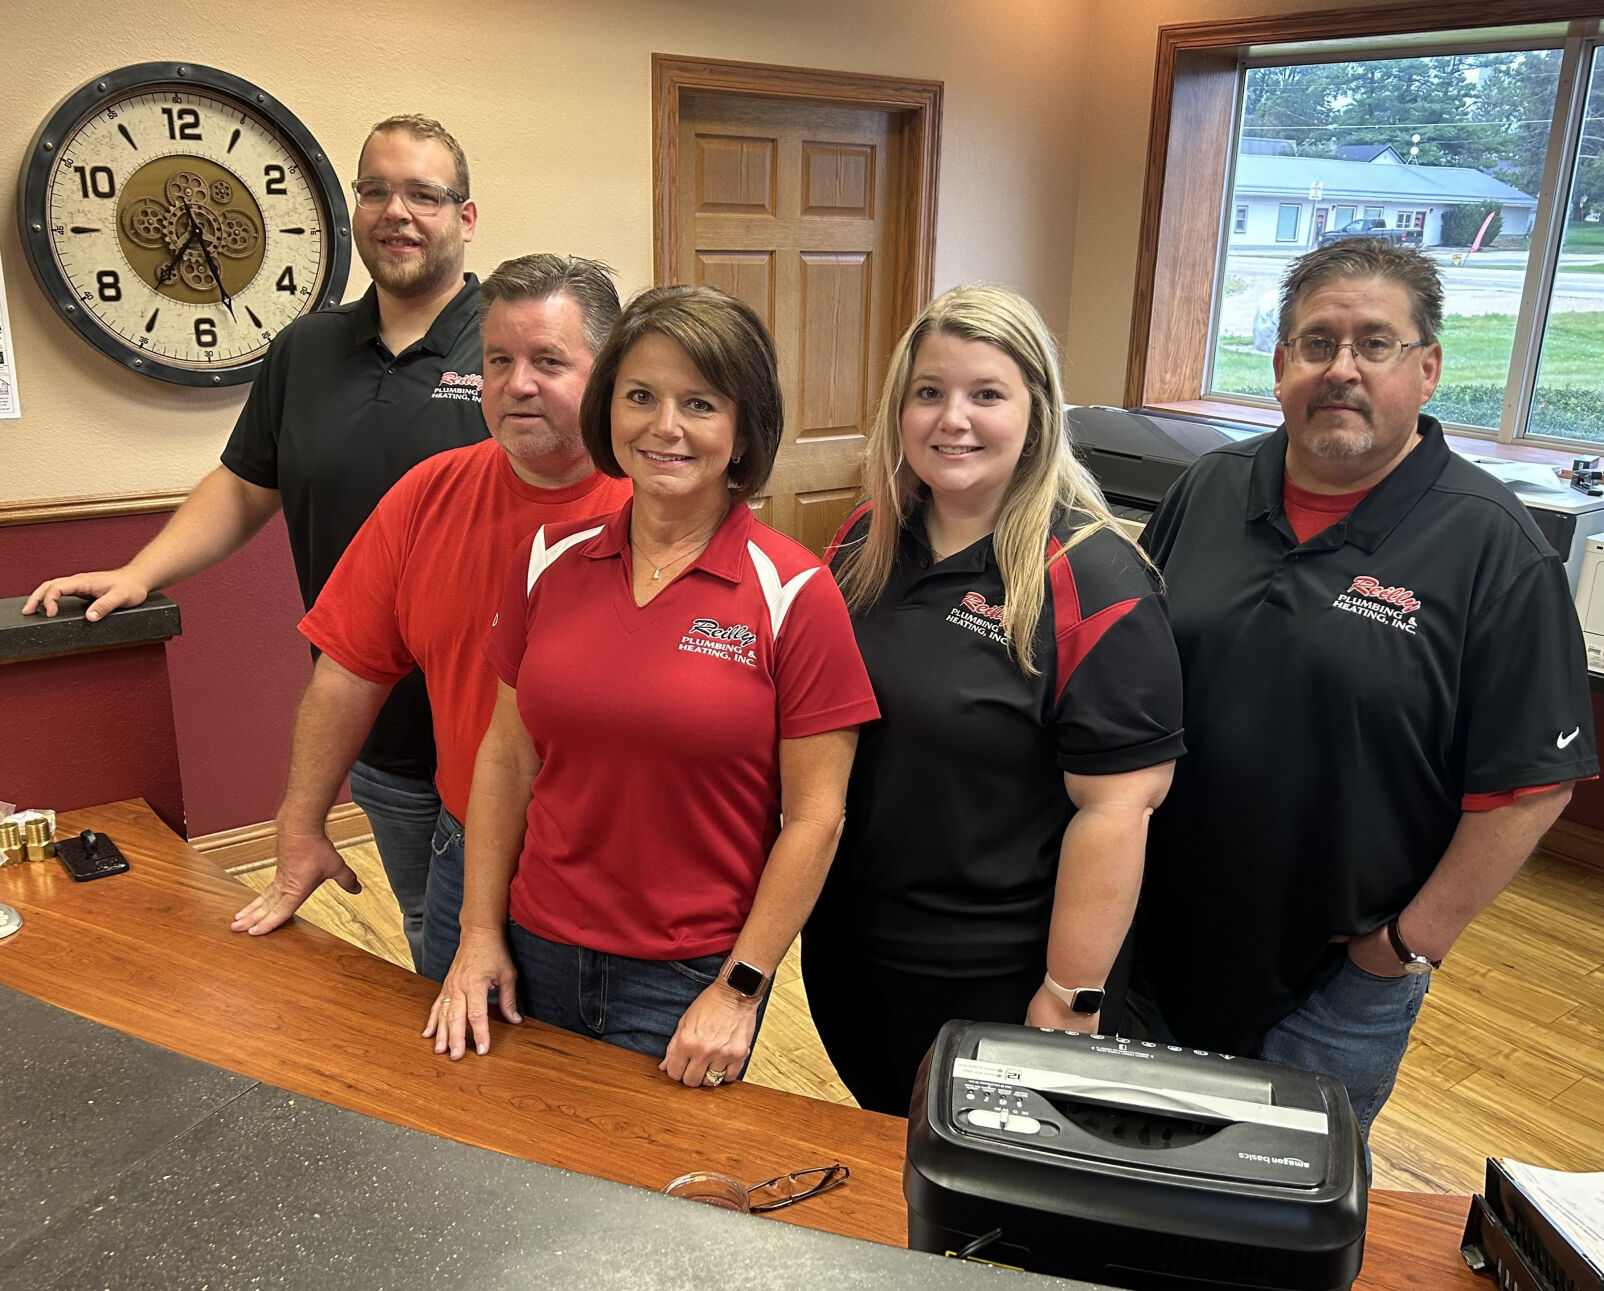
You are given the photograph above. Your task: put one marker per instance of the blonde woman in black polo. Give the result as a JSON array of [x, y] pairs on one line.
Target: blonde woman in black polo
[[1031, 710]]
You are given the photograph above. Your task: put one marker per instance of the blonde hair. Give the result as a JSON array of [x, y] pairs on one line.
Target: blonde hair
[[1047, 481]]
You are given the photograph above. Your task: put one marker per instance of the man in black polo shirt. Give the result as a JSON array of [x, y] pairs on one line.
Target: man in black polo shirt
[[348, 400], [1386, 696]]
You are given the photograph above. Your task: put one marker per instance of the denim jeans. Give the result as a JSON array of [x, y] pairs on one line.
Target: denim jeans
[[1355, 1028], [402, 812], [442, 901], [632, 1003]]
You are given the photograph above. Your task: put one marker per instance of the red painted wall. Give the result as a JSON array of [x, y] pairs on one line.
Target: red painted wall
[[235, 674], [89, 728]]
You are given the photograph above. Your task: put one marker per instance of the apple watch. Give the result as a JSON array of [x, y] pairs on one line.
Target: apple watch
[[1412, 963], [1085, 1000], [744, 979]]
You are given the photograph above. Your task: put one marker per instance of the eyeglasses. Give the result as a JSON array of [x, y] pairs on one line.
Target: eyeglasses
[[420, 196], [1374, 351], [788, 1189]]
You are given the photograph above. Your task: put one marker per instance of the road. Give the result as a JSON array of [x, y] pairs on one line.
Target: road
[[1488, 282]]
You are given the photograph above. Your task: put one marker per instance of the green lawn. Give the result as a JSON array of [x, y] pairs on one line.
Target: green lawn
[[1580, 237], [1476, 351]]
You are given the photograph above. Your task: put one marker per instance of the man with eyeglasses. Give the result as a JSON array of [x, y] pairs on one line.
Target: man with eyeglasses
[[1386, 696], [348, 400]]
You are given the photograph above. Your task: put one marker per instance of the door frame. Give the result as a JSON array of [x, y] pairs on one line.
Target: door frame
[[915, 108]]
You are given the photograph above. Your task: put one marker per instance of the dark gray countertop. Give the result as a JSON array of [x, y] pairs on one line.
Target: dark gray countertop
[[125, 1166], [29, 636]]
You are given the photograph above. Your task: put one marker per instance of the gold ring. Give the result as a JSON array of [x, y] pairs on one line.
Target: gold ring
[[713, 1077], [445, 1001]]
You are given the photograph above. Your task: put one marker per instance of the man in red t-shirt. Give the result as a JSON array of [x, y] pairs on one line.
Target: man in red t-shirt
[[424, 574]]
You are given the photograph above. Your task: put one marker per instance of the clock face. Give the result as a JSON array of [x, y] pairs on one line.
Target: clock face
[[180, 219]]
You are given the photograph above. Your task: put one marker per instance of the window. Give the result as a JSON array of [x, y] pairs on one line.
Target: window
[[1402, 102], [1568, 397], [1241, 224], [1286, 222]]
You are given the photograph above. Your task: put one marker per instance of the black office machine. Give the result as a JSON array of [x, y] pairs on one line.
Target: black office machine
[[1135, 457], [1133, 1163]]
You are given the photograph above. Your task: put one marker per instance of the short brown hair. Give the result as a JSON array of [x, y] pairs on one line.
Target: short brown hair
[[420, 127], [1348, 258], [588, 283], [730, 347]]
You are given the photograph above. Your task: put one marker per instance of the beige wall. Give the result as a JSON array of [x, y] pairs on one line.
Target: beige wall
[[552, 102], [1120, 38]]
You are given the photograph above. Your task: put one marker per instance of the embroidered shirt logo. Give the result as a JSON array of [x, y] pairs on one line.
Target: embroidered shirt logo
[[1394, 606], [983, 619], [735, 644], [459, 385]]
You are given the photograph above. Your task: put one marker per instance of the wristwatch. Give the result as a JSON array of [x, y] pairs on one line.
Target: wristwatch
[[1085, 1000], [1412, 963], [743, 978]]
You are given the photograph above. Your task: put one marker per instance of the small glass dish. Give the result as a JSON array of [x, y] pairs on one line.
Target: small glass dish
[[711, 1190]]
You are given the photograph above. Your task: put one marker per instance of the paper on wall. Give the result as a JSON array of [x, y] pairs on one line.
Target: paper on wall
[[9, 405]]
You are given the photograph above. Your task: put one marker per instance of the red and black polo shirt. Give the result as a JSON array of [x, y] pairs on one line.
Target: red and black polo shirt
[[956, 807]]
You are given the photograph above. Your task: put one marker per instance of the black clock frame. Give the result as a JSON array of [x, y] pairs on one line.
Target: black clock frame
[[42, 156]]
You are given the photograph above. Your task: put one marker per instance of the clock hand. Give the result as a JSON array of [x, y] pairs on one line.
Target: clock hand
[[228, 302], [169, 271]]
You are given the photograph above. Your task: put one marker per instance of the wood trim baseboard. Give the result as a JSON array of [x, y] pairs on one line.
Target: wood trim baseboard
[[1575, 842], [51, 510], [254, 847]]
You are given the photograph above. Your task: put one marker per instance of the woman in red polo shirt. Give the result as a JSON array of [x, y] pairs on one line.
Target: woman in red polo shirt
[[672, 677], [1031, 709]]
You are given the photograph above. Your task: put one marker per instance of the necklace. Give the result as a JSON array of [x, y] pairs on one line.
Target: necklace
[[660, 564]]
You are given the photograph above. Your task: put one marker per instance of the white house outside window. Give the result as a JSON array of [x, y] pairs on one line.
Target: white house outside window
[[1473, 156]]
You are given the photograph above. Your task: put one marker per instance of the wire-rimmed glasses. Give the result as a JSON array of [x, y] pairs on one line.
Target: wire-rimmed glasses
[[788, 1189], [1318, 351]]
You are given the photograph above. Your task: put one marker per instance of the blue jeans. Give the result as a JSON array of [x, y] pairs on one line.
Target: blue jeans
[[402, 812], [632, 1003], [1355, 1028], [442, 901]]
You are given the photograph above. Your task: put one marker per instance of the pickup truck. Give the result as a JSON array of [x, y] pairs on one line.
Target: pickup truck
[[1371, 229]]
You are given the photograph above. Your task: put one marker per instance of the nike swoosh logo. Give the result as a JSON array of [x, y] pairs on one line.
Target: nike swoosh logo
[[1563, 740]]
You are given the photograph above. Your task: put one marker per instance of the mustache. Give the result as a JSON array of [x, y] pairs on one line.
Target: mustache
[[1340, 394]]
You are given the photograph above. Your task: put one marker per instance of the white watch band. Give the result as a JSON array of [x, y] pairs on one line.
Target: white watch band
[[1070, 994]]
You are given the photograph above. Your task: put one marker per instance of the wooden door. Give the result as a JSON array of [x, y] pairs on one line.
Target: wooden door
[[789, 206]]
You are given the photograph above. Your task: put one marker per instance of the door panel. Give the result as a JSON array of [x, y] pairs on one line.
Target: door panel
[[787, 208]]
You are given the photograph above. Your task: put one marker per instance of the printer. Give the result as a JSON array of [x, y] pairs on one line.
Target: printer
[[1135, 457], [1133, 1163]]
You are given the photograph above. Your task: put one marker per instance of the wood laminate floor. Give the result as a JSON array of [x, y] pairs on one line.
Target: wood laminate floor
[[1507, 1058]]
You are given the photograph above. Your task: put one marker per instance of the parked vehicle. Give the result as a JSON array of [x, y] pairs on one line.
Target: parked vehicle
[[1371, 229]]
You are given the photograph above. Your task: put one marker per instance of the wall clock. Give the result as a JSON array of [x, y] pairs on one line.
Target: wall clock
[[179, 218]]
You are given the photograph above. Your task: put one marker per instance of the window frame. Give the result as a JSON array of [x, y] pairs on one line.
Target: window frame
[[1196, 95]]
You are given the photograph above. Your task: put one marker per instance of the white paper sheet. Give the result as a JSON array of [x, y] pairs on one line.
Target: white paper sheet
[[9, 404], [1524, 475], [1573, 1202]]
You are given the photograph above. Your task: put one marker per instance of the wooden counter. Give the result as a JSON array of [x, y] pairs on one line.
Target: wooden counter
[[150, 953]]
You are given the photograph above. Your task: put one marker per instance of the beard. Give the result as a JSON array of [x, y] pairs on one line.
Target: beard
[[1338, 442], [439, 259]]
